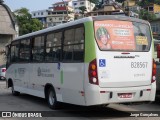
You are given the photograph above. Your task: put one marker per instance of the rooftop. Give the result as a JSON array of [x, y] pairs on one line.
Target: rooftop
[[6, 20]]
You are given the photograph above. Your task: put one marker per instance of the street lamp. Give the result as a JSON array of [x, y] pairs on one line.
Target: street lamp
[[66, 9]]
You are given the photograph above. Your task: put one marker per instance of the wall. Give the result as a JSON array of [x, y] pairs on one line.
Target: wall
[[156, 8], [4, 39]]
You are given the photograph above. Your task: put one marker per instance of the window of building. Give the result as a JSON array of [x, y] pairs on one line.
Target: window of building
[[81, 3], [34, 14], [60, 18], [73, 50], [89, 3], [49, 24], [53, 47], [38, 49], [41, 13], [50, 19], [150, 9], [75, 4], [24, 52], [155, 28], [95, 14]]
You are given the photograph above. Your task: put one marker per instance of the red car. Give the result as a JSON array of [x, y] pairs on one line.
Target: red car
[[2, 72]]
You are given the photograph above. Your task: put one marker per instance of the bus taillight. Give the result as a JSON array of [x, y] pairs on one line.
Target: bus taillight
[[92, 72], [154, 71], [3, 69]]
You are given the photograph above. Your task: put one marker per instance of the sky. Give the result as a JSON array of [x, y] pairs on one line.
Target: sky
[[32, 5]]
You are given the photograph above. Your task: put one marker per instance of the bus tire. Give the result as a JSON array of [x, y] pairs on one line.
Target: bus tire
[[52, 99], [15, 93]]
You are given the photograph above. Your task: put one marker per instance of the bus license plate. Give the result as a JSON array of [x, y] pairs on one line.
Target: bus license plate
[[125, 95]]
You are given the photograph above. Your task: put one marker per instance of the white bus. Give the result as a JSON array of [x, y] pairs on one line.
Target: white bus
[[91, 61]]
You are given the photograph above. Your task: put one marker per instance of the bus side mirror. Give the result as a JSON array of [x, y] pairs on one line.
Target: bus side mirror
[[158, 50]]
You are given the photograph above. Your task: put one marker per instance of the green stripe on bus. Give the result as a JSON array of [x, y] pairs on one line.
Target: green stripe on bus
[[90, 52], [61, 77], [152, 43]]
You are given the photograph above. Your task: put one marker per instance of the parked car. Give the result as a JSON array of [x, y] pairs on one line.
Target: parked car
[[2, 72]]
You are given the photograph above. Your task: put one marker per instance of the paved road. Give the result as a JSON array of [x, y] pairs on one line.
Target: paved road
[[68, 112]]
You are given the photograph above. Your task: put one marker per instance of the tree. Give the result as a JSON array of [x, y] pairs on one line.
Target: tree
[[144, 14], [82, 9], [94, 1], [97, 3], [144, 3], [157, 2], [25, 21], [120, 1]]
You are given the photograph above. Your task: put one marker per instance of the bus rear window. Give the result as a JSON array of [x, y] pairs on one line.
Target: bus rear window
[[122, 35]]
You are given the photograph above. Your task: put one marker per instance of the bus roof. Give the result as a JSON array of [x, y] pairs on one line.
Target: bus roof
[[79, 21]]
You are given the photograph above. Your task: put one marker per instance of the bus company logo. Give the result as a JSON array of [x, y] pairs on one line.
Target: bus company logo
[[43, 72], [21, 71], [6, 114], [39, 71]]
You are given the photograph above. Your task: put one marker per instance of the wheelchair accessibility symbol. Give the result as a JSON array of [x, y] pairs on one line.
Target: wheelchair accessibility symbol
[[102, 63]]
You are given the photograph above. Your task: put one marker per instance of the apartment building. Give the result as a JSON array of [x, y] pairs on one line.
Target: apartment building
[[7, 29], [82, 3], [62, 12], [109, 9], [131, 8], [153, 8], [41, 15]]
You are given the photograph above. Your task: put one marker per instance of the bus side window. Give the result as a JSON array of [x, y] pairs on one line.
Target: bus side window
[[24, 55], [8, 55], [73, 50], [68, 45], [14, 51], [78, 53], [38, 49], [53, 47]]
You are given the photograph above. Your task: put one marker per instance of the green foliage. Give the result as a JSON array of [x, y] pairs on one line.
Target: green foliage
[[94, 1], [25, 21], [144, 14], [120, 1], [144, 3], [157, 2], [98, 4], [82, 9]]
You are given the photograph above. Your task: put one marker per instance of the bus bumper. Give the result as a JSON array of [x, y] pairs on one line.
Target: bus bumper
[[97, 96]]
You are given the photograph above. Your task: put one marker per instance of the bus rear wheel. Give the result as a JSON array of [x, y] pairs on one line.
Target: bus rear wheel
[[52, 100]]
